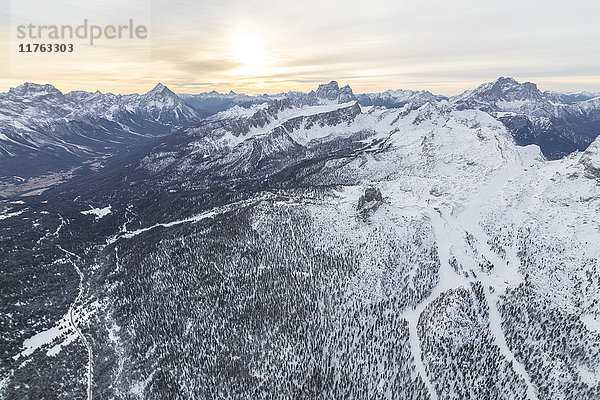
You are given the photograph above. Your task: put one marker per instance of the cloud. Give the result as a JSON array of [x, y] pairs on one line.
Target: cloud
[[440, 45]]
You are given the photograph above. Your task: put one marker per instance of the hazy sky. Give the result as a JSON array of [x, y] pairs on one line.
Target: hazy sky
[[269, 46]]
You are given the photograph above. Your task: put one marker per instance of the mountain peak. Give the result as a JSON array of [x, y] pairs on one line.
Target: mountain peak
[[501, 91], [331, 91], [511, 83], [328, 91], [161, 89], [34, 89], [506, 80]]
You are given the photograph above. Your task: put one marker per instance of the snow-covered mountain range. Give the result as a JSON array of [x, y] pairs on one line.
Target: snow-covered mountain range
[[42, 129], [558, 123], [314, 249], [47, 136]]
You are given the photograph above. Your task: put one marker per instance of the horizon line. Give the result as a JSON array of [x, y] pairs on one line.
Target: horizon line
[[176, 88]]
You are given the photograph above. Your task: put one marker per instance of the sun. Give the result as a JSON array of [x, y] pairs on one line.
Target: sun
[[248, 52]]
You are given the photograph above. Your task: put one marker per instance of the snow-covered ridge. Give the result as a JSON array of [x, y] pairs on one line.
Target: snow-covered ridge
[[398, 98], [236, 125], [47, 101]]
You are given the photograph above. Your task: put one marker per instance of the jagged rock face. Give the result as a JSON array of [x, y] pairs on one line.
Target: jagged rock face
[[371, 195], [163, 106], [264, 116], [370, 201], [284, 251], [328, 91], [33, 90], [332, 92], [345, 95]]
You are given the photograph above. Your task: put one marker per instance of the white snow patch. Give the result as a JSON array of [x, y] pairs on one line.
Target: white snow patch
[[46, 337], [98, 212], [589, 377], [53, 351], [591, 322], [8, 215]]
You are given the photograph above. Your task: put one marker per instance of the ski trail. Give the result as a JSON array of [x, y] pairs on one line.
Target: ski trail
[[504, 274], [448, 279], [500, 339], [76, 328], [412, 317]]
